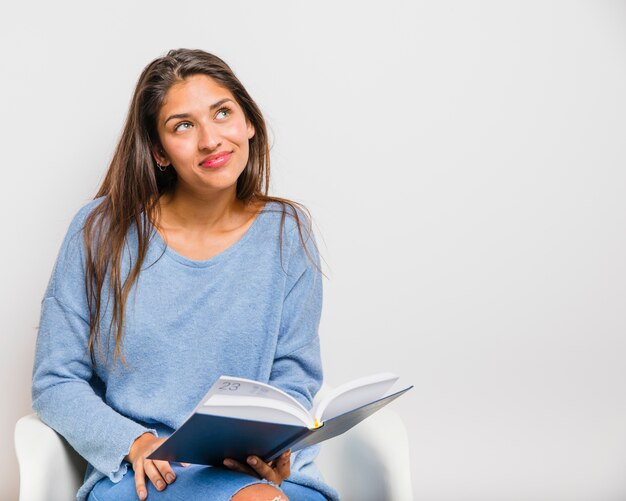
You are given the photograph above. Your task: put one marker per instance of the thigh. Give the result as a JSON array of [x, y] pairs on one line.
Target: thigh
[[297, 492], [194, 482]]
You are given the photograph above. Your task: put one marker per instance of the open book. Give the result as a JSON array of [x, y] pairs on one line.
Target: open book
[[240, 417]]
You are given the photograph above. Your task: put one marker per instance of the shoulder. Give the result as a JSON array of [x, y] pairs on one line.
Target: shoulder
[[68, 271], [73, 243], [294, 218], [298, 244], [79, 219]]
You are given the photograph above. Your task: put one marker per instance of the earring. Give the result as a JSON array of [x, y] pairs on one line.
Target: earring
[[161, 167]]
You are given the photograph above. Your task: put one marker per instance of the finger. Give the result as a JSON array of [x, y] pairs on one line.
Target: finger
[[165, 470], [140, 483], [283, 465], [285, 456], [231, 464], [153, 474], [262, 469], [185, 465]]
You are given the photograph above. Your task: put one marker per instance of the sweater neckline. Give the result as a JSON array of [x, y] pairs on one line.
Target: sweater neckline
[[204, 263]]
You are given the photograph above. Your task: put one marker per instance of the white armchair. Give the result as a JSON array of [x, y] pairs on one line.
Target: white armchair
[[49, 468], [368, 463]]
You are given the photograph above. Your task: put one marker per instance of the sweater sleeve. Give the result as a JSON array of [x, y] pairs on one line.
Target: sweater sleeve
[[62, 393], [297, 366]]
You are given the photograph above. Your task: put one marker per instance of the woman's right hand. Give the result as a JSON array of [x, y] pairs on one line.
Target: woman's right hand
[[160, 473]]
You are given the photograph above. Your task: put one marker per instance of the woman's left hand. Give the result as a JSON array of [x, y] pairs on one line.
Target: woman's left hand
[[275, 471]]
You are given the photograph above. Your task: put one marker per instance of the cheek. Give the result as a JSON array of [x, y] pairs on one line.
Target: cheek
[[237, 133], [179, 149]]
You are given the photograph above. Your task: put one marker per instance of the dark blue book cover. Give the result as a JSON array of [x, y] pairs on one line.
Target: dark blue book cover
[[208, 439]]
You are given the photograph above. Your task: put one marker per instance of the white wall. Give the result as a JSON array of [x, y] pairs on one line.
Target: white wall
[[465, 162]]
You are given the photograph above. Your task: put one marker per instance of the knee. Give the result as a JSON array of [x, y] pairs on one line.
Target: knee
[[260, 492]]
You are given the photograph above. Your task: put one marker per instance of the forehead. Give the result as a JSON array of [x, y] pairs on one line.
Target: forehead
[[194, 93]]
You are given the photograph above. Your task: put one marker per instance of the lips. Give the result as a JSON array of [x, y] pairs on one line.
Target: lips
[[216, 160]]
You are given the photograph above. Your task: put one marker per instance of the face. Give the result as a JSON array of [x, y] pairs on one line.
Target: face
[[204, 136]]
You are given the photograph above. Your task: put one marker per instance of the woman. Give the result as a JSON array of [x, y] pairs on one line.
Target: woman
[[182, 269]]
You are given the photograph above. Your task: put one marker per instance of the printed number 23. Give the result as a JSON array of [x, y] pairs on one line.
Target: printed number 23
[[230, 386]]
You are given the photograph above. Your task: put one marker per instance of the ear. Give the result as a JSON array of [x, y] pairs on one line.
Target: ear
[[159, 155], [251, 130]]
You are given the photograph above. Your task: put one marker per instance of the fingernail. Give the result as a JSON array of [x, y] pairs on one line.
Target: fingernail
[[142, 495], [169, 478], [160, 485], [252, 461], [228, 462]]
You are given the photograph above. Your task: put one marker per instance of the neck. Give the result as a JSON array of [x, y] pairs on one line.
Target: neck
[[198, 212]]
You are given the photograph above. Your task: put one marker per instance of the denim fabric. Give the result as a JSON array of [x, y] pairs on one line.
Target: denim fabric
[[195, 483]]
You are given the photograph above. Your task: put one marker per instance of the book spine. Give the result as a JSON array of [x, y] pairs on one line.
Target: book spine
[[287, 444]]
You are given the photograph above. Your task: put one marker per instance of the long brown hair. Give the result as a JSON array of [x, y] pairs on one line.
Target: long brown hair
[[133, 185]]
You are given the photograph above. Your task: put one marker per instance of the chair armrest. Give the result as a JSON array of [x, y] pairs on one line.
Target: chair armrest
[[49, 467], [370, 461]]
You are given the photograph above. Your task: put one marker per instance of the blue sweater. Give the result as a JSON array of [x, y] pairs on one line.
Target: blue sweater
[[248, 312]]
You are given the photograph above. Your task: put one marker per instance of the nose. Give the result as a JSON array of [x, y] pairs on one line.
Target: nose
[[209, 138]]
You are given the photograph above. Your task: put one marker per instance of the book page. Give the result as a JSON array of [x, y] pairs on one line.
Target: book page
[[352, 395], [237, 386], [230, 391], [256, 409]]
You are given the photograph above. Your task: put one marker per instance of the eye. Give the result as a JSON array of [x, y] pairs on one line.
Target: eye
[[223, 113], [182, 126]]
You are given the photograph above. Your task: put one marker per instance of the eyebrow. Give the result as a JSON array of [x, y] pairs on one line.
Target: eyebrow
[[211, 108]]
